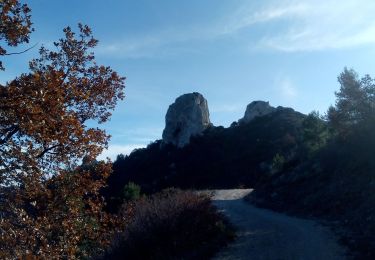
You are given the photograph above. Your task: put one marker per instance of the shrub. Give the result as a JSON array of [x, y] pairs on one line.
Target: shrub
[[278, 162], [169, 225], [315, 133], [131, 192]]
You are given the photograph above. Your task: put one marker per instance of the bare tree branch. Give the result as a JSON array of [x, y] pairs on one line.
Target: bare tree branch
[[15, 53]]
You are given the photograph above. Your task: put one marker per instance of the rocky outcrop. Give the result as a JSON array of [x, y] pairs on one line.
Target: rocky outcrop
[[255, 109], [186, 117]]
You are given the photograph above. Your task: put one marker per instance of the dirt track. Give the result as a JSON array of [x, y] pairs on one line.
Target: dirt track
[[264, 234]]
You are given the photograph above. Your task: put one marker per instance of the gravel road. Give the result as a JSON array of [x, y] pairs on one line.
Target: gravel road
[[264, 234]]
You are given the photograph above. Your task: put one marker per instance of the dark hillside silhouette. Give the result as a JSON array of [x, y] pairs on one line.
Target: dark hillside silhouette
[[337, 182], [240, 155]]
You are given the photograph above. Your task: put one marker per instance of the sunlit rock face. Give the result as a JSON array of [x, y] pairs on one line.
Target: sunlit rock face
[[256, 109], [186, 117]]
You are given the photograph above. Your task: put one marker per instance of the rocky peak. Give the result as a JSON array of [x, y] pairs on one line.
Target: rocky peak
[[255, 109], [186, 117]]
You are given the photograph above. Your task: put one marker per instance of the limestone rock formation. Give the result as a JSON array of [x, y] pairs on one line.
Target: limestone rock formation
[[255, 109], [186, 117]]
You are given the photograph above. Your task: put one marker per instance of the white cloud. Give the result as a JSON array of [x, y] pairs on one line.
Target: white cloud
[[286, 88], [137, 47], [138, 135], [246, 16], [291, 25], [149, 45], [316, 25], [115, 149]]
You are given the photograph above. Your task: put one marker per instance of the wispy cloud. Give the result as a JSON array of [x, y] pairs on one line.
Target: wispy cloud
[[282, 25], [247, 16], [165, 42], [286, 87], [314, 25], [137, 135], [137, 47], [115, 149]]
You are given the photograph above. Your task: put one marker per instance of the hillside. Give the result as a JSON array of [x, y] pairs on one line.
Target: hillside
[[238, 156], [271, 154], [337, 185], [306, 165]]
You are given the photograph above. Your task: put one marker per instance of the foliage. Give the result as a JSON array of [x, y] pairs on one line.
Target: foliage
[[355, 102], [59, 217], [337, 182], [131, 191], [220, 158], [173, 224], [278, 162], [51, 208], [315, 132], [15, 25], [44, 113]]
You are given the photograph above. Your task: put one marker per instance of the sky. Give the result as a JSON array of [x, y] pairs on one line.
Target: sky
[[287, 52]]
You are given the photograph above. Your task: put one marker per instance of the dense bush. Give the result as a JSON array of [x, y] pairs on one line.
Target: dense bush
[[131, 192], [173, 224], [315, 133]]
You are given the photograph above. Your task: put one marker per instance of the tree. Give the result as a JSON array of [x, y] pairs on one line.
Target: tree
[[15, 26], [44, 112], [131, 191], [355, 102], [315, 132], [49, 206], [62, 217], [278, 162]]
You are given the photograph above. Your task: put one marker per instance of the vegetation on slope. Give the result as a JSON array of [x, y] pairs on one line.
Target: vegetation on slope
[[338, 181], [239, 156], [172, 224], [50, 206], [310, 165]]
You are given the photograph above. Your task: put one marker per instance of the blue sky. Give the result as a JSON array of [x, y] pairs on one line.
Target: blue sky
[[287, 52]]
